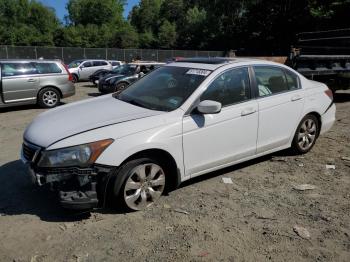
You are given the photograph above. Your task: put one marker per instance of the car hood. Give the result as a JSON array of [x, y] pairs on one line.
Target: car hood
[[110, 76], [68, 120]]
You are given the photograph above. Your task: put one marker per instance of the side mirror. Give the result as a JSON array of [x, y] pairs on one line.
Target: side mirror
[[141, 75], [209, 107]]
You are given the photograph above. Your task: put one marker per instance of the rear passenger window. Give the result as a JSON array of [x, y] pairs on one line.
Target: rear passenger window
[[292, 80], [229, 88], [48, 68], [103, 63], [270, 80], [17, 69]]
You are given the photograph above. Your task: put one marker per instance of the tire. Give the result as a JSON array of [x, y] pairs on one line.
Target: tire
[[120, 87], [49, 97], [75, 78], [306, 134], [139, 184]]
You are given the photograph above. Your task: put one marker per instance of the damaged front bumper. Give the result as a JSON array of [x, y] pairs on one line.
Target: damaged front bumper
[[78, 188]]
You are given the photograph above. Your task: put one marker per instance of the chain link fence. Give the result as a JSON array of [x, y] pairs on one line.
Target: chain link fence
[[68, 54]]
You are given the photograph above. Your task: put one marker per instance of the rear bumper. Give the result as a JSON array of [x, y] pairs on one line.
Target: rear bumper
[[67, 90], [328, 119]]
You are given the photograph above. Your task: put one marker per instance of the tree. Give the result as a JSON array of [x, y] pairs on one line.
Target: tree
[[24, 22], [167, 35], [96, 12]]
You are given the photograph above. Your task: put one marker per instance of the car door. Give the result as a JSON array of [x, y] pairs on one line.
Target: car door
[[214, 140], [19, 81], [86, 69], [280, 101]]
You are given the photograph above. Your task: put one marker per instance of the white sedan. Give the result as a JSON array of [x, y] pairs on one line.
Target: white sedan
[[180, 121]]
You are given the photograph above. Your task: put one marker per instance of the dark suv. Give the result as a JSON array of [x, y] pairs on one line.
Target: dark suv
[[124, 75]]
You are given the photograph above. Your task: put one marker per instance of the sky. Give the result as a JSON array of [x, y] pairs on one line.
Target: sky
[[60, 6]]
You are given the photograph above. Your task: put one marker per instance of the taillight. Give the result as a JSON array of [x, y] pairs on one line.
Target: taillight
[[70, 77], [329, 93]]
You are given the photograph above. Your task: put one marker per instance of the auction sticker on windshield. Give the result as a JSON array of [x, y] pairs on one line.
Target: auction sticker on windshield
[[200, 72]]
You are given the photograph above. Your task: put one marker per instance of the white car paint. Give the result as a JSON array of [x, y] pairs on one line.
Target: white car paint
[[198, 144], [84, 72]]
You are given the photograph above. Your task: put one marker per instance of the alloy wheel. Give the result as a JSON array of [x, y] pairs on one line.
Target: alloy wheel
[[144, 186], [50, 98], [307, 134]]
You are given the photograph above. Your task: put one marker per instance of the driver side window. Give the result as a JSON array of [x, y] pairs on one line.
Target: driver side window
[[229, 88]]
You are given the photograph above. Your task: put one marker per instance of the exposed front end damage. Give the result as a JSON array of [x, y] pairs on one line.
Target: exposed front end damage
[[77, 188]]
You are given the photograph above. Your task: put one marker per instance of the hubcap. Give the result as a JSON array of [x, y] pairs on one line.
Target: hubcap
[[144, 186], [307, 134], [50, 98]]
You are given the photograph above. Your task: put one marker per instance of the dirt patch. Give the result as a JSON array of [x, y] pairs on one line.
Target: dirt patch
[[253, 219]]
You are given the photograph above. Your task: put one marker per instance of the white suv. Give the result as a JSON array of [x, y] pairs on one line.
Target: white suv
[[180, 121], [81, 70]]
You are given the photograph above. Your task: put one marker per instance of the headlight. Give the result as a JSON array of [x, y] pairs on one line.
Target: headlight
[[81, 155]]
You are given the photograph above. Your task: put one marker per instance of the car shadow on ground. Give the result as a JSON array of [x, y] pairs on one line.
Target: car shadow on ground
[[24, 108], [19, 196], [94, 94], [341, 97]]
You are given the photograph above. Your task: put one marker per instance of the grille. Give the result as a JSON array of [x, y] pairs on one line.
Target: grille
[[29, 151]]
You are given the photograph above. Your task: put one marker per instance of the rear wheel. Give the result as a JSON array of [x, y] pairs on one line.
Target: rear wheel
[[306, 134], [74, 78], [48, 97], [144, 183]]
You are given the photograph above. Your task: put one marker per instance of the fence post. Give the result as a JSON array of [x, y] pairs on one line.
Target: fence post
[[36, 53], [124, 55], [62, 55], [141, 54], [157, 56], [7, 53], [106, 53], [84, 53]]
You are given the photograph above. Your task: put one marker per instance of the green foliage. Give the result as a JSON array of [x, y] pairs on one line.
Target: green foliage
[[167, 35], [250, 26], [96, 12], [24, 22]]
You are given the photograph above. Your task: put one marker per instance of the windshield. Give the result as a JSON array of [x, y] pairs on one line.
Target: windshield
[[164, 89], [75, 63], [125, 69]]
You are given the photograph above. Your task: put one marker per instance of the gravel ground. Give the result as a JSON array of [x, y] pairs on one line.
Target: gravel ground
[[204, 220]]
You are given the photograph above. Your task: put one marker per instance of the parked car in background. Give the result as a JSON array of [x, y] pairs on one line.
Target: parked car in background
[[42, 82], [81, 70], [116, 63], [125, 75], [180, 121], [95, 77]]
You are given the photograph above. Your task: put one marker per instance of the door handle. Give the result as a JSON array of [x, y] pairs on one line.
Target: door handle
[[248, 111], [31, 80], [296, 98]]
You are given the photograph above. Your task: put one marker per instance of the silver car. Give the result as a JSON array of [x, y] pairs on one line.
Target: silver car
[[42, 82]]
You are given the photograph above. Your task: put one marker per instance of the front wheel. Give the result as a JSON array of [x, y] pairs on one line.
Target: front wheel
[[306, 134], [120, 87], [144, 183]]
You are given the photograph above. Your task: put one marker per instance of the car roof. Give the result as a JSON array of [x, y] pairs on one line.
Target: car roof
[[146, 63], [30, 60], [213, 63]]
